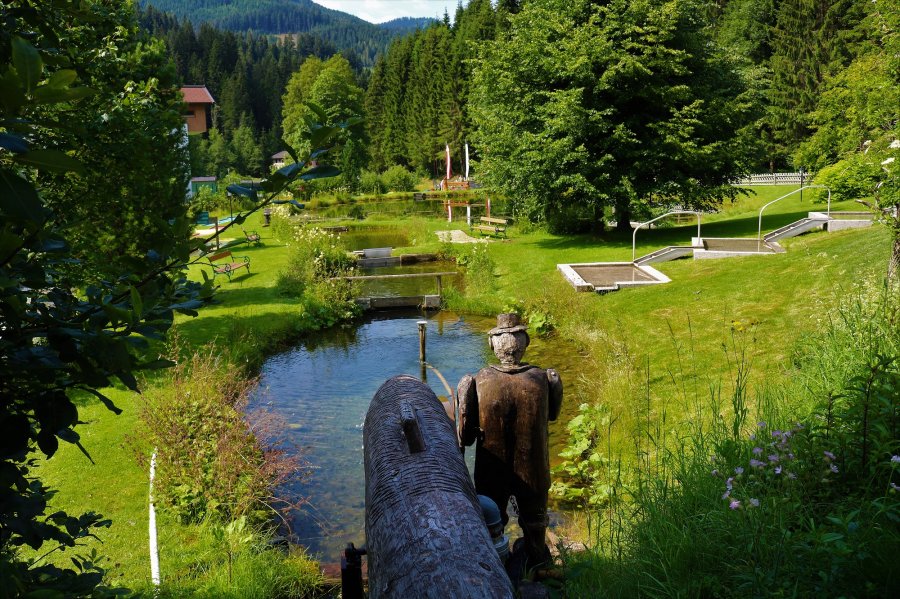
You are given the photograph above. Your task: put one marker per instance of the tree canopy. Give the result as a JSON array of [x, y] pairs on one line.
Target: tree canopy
[[584, 105]]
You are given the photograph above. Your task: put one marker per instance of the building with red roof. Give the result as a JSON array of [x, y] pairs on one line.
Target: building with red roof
[[198, 100]]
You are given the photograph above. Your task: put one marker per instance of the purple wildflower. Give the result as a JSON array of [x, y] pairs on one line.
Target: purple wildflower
[[754, 502], [761, 424], [828, 455], [738, 470], [773, 457], [834, 468], [777, 469], [756, 463], [728, 483], [776, 433], [791, 456], [895, 459], [735, 504], [895, 487], [726, 495], [757, 451], [753, 437], [792, 476]]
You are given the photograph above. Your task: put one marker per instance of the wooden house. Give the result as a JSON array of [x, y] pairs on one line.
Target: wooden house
[[279, 159], [199, 102]]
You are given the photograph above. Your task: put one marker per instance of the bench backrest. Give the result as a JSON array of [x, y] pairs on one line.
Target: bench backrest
[[495, 221], [220, 255]]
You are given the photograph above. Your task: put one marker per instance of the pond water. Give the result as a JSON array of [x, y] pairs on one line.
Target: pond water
[[408, 287], [323, 387], [361, 239]]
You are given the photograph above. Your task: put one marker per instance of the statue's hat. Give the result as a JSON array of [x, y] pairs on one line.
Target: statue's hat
[[507, 323]]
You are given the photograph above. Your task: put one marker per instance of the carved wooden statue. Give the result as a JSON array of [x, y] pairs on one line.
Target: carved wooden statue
[[505, 408], [425, 533]]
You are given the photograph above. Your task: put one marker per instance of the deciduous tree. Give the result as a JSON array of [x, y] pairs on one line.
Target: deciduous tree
[[584, 105]]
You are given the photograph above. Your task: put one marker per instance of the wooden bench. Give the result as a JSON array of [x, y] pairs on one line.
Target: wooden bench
[[493, 226], [252, 237], [225, 263]]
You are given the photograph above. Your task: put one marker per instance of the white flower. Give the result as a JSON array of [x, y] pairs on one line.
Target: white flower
[[887, 161], [895, 144], [867, 143]]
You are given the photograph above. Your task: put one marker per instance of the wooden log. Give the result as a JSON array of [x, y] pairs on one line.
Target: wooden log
[[425, 534]]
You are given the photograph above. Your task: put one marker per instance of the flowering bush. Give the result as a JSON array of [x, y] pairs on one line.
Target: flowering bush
[[316, 259]]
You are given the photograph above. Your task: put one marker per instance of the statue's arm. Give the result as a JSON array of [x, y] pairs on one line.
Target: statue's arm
[[556, 392], [466, 411]]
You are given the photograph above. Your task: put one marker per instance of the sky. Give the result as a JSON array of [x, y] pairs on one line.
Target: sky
[[379, 11]]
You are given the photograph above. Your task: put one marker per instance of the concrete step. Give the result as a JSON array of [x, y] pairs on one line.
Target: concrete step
[[796, 228], [671, 252]]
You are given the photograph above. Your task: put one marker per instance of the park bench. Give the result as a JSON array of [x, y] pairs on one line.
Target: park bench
[[252, 237], [225, 263], [493, 226]]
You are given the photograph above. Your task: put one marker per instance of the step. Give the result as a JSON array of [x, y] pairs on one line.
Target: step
[[796, 228], [665, 254]]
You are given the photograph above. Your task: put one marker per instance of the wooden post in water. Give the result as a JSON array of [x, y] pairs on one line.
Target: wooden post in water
[[425, 534], [422, 324], [440, 286]]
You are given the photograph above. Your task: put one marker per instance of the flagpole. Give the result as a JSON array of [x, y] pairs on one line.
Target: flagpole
[[467, 161]]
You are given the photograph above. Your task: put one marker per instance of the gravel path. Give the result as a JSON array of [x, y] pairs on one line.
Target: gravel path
[[457, 236]]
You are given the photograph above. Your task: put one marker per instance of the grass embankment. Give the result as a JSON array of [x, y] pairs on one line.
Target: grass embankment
[[785, 294], [248, 320]]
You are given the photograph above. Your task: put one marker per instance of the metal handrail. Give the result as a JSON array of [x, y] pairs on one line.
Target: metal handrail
[[634, 235], [759, 230]]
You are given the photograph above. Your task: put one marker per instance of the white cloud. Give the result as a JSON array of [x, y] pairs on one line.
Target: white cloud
[[379, 11]]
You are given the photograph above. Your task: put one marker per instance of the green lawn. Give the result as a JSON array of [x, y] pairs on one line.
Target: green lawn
[[691, 316]]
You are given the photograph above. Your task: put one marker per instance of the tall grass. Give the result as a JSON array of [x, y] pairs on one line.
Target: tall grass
[[790, 489]]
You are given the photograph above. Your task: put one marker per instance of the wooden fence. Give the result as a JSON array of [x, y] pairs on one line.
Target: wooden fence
[[774, 179]]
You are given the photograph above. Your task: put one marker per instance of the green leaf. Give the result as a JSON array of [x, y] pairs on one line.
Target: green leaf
[[18, 198], [11, 94], [13, 143], [320, 136], [242, 191], [291, 152], [50, 160], [27, 62], [318, 111], [46, 94], [62, 78], [136, 303], [320, 172]]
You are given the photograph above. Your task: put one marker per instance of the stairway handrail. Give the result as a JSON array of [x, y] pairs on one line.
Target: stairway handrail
[[634, 235], [759, 230]]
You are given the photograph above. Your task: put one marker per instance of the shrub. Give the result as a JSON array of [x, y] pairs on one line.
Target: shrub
[[851, 178], [213, 460], [370, 182], [397, 178], [479, 268], [316, 258]]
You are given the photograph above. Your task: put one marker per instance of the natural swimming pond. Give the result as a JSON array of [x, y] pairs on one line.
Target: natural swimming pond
[[360, 239], [323, 387]]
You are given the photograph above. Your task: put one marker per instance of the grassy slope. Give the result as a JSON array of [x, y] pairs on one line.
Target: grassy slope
[[785, 293], [116, 485]]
